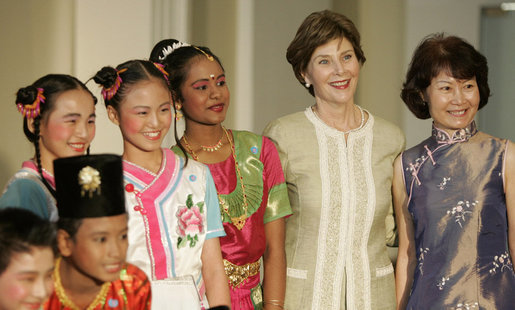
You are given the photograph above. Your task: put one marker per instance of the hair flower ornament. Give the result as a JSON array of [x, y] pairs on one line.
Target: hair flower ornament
[[32, 110], [161, 68], [170, 48], [108, 93], [89, 180]]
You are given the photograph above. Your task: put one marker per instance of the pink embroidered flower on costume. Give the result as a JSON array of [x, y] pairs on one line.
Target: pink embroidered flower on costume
[[190, 222]]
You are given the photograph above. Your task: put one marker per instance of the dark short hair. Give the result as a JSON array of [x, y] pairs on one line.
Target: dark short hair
[[436, 53], [20, 231], [318, 29], [69, 225]]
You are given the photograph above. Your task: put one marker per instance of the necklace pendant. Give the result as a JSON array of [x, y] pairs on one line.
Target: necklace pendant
[[239, 221], [212, 148]]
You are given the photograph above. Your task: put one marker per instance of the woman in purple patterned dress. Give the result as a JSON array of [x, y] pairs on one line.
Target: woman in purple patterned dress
[[454, 192]]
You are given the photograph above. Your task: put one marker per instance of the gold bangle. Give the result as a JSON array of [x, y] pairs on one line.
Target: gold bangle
[[274, 302]]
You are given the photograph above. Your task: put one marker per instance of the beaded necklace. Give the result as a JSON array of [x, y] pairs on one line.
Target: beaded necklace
[[239, 221], [212, 148], [61, 294]]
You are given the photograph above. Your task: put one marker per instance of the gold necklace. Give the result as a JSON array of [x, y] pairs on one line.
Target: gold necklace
[[239, 221], [67, 302], [209, 148]]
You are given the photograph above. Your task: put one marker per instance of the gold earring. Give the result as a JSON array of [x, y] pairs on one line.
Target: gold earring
[[178, 113]]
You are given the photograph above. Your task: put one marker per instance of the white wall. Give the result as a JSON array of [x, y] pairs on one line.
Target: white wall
[[109, 33], [457, 17], [35, 40]]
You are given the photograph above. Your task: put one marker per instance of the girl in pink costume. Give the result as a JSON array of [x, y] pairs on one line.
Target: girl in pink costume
[[173, 209]]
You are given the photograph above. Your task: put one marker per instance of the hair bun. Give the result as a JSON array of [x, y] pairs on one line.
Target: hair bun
[[26, 95], [106, 77], [164, 48]]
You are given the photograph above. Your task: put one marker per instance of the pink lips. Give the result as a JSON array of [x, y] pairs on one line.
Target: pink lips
[[458, 113], [78, 147], [217, 107], [154, 135], [340, 84], [33, 305]]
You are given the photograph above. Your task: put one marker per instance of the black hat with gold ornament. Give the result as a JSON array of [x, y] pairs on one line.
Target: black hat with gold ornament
[[89, 186]]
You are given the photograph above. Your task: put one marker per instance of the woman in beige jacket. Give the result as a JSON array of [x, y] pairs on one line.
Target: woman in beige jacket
[[338, 163]]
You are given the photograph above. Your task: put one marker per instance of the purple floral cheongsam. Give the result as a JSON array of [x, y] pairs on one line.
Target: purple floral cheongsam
[[457, 201]]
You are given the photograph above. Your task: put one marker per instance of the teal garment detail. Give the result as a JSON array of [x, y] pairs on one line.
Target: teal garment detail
[[17, 195], [214, 228], [25, 190]]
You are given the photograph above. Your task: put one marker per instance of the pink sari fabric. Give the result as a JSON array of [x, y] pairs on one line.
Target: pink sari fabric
[[260, 166]]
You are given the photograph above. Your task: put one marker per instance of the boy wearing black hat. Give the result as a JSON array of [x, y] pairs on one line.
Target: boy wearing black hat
[[92, 238]]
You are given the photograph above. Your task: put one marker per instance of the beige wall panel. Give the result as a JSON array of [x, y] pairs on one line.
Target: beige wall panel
[[214, 25], [109, 33], [381, 25], [36, 39], [277, 92]]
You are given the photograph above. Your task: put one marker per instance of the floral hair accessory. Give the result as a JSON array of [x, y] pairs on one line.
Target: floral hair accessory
[[170, 48], [108, 93], [161, 68], [209, 57], [89, 180], [34, 109]]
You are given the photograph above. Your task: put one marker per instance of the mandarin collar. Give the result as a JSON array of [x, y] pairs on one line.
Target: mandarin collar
[[460, 135]]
